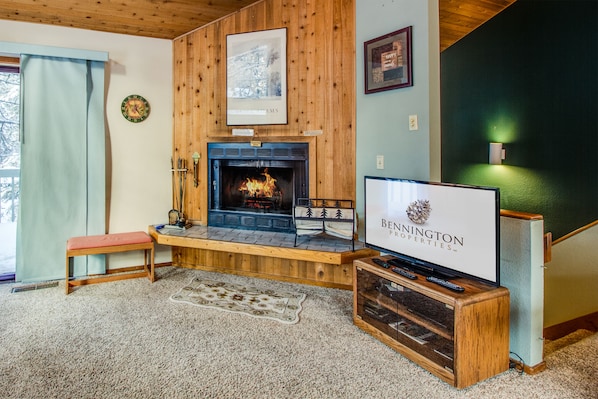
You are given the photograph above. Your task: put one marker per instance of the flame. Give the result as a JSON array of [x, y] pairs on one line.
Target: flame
[[257, 188]]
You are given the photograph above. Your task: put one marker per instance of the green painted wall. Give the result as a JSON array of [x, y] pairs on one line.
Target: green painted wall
[[527, 78]]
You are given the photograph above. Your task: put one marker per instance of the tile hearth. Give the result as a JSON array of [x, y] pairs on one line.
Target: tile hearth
[[321, 243]]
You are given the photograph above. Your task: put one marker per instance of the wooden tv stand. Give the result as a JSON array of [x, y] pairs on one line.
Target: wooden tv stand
[[462, 338]]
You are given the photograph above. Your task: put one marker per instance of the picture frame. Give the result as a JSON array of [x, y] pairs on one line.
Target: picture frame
[[256, 78], [388, 62]]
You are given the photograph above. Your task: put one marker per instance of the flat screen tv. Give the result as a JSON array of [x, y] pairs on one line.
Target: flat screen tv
[[439, 229]]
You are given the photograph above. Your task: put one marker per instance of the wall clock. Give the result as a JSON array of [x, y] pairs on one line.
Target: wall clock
[[135, 108]]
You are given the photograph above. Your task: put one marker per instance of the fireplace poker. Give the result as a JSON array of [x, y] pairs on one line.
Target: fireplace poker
[[180, 176], [183, 184]]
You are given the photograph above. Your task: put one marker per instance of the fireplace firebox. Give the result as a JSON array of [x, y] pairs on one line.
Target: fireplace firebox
[[255, 187]]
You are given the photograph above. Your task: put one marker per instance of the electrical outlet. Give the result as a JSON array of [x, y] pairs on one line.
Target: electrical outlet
[[413, 122], [379, 161]]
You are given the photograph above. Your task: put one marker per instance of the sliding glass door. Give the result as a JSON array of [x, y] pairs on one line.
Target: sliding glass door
[[9, 168]]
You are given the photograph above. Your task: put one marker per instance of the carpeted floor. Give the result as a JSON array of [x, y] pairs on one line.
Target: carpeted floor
[[126, 339]]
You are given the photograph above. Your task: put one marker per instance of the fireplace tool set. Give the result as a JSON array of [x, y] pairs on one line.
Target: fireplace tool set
[[176, 216]]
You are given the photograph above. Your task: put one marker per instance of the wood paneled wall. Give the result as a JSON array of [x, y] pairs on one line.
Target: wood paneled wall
[[320, 85]]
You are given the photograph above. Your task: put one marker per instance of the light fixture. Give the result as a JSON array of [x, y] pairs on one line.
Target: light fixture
[[496, 154], [195, 157]]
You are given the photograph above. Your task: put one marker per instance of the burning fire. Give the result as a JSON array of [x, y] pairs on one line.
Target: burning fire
[[257, 188]]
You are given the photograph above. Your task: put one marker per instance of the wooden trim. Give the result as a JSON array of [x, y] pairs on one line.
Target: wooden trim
[[520, 215], [104, 279], [587, 322], [12, 61], [133, 268], [109, 250], [581, 229], [527, 369], [547, 247], [336, 258]]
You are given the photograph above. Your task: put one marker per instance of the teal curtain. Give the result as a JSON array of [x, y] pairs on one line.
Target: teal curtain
[[62, 178]]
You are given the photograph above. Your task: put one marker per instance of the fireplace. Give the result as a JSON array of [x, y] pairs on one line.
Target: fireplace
[[255, 187]]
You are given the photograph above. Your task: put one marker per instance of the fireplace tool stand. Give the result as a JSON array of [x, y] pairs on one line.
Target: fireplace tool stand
[[176, 216]]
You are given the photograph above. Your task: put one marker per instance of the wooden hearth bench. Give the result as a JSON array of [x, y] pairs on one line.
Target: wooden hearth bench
[[244, 253], [108, 244]]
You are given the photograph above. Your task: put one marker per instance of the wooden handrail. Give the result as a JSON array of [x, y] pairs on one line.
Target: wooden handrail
[[532, 216], [521, 215], [547, 247], [583, 228], [548, 242]]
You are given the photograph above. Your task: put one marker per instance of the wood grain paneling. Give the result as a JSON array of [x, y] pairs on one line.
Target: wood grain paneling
[[168, 19], [321, 91], [164, 19]]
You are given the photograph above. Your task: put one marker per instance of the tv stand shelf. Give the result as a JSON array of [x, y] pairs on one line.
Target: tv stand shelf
[[409, 314], [462, 338]]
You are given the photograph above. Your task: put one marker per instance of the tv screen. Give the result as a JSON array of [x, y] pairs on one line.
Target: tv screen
[[435, 228]]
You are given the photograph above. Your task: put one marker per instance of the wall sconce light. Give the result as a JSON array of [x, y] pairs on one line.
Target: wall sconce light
[[496, 154], [195, 157]]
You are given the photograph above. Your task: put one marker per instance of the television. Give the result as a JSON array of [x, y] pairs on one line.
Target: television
[[435, 229]]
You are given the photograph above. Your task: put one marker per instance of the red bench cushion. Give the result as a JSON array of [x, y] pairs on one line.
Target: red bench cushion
[[107, 240]]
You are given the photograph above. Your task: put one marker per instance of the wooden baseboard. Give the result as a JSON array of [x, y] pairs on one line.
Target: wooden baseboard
[[527, 369], [588, 322]]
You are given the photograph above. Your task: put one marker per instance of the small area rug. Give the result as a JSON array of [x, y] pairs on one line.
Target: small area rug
[[283, 307]]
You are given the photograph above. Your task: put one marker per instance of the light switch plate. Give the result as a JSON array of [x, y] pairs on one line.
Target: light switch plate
[[413, 122], [379, 161]]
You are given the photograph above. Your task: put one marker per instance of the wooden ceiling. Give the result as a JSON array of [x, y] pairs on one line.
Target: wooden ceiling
[[164, 19], [168, 19], [459, 17]]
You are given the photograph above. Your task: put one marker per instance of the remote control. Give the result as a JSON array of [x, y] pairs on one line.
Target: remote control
[[446, 284], [381, 262], [404, 273]]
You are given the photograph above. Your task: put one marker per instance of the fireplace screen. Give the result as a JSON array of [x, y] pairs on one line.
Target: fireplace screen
[[256, 187]]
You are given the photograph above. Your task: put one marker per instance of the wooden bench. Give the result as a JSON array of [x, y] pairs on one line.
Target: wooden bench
[[107, 244], [334, 217]]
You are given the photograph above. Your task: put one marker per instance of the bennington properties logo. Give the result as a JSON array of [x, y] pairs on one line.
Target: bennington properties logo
[[419, 212]]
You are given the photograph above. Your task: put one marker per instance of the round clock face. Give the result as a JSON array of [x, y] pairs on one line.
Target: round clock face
[[135, 108]]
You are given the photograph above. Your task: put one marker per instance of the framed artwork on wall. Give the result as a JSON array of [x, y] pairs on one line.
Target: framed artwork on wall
[[256, 78], [388, 63]]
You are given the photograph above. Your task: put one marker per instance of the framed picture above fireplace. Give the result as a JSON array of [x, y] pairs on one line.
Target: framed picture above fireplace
[[256, 78]]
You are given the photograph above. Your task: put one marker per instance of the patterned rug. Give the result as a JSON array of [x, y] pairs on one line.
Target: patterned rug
[[283, 307]]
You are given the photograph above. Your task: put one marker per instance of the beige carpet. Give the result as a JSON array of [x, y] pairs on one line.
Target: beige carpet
[[127, 339]]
